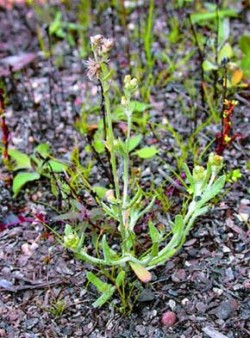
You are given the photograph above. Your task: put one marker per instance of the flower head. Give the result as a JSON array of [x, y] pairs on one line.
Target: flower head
[[93, 69]]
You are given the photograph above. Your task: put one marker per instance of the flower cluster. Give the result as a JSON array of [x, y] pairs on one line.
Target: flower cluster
[[101, 47], [223, 139]]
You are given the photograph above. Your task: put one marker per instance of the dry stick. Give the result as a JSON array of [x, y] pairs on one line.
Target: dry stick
[[98, 158], [103, 111], [201, 59]]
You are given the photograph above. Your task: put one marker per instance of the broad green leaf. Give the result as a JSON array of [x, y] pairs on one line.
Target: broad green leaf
[[226, 52], [245, 64], [207, 66], [99, 146], [139, 107], [22, 161], [97, 282], [134, 142], [56, 166], [143, 274], [104, 297], [43, 149], [100, 191], [244, 44], [21, 179], [147, 152], [120, 278]]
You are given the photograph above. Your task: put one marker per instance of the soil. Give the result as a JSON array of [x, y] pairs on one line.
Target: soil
[[204, 290]]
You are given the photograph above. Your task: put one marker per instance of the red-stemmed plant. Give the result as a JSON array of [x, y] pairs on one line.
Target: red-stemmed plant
[[225, 137]]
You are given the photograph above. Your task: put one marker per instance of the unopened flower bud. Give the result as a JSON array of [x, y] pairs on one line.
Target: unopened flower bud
[[199, 173], [123, 101], [127, 79], [71, 241], [130, 84], [96, 40], [107, 45], [215, 160]]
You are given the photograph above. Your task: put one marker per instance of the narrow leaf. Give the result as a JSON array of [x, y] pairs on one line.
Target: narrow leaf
[[97, 282], [120, 278], [214, 190], [104, 297], [154, 233]]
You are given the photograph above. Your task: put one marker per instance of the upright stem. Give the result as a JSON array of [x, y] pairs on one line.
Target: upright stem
[[109, 131]]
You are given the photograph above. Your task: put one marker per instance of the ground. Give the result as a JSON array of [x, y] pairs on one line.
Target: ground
[[43, 289]]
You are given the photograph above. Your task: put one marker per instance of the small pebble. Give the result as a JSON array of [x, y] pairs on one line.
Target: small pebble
[[246, 284], [168, 318]]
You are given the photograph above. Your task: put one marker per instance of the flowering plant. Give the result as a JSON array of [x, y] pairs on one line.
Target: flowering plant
[[125, 203]]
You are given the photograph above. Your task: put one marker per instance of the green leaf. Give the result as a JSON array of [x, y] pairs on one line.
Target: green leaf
[[147, 152], [68, 230], [134, 142], [214, 190], [178, 222], [189, 176], [205, 16], [99, 146], [56, 166], [245, 64], [139, 107], [106, 289], [200, 212], [22, 161], [104, 297], [43, 149], [21, 179], [120, 278], [154, 233], [97, 282], [207, 66], [244, 44], [100, 191], [224, 31], [226, 52], [108, 253]]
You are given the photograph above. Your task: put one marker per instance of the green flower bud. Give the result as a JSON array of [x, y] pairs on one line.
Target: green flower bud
[[124, 101], [215, 160], [127, 79], [71, 241], [199, 173]]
